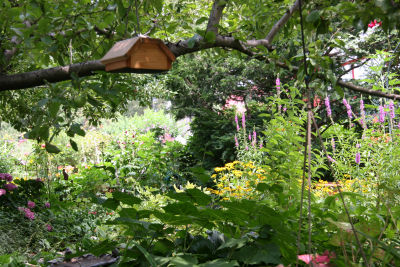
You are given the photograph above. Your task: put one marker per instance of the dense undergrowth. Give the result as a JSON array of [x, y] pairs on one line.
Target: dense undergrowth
[[137, 190]]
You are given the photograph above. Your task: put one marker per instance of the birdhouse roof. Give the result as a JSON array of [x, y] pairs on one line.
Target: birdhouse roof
[[121, 49]]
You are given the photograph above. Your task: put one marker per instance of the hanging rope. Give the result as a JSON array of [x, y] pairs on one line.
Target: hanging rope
[[310, 117]]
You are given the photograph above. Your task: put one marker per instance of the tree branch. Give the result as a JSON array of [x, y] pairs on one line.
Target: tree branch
[[267, 41], [215, 16], [52, 75]]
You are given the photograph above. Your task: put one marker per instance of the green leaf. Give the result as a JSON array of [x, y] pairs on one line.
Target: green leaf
[[210, 37], [73, 144], [52, 148], [103, 247], [111, 203], [313, 16], [201, 20], [220, 263], [53, 109], [126, 198], [147, 255], [233, 243], [44, 132]]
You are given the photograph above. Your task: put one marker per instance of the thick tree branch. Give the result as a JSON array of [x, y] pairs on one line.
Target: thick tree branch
[[52, 75], [215, 16]]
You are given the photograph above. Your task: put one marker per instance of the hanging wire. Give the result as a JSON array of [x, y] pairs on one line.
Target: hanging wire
[[137, 18]]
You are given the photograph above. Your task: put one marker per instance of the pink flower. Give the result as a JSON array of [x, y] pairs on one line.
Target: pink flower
[[318, 260], [391, 108], [10, 187], [31, 204], [49, 227], [243, 121], [236, 141], [278, 87], [331, 159], [328, 107], [348, 107], [237, 123], [2, 192], [6, 176], [381, 114], [28, 213], [47, 205]]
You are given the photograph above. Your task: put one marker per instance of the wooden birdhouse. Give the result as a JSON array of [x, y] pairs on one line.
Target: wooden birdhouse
[[139, 54]]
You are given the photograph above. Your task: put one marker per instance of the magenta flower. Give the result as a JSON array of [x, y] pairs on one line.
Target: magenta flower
[[333, 144], [391, 109], [47, 204], [49, 227], [261, 144], [10, 187], [6, 176], [278, 85], [328, 107], [237, 123], [381, 114], [358, 158], [331, 159], [236, 141], [284, 108], [28, 213], [362, 111], [243, 121], [2, 192], [31, 204], [318, 260], [348, 107]]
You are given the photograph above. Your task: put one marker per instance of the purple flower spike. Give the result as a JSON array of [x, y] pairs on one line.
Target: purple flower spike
[[358, 157], [333, 144], [391, 108], [331, 159], [278, 85], [348, 107], [328, 107], [381, 114], [243, 121], [236, 141], [237, 123]]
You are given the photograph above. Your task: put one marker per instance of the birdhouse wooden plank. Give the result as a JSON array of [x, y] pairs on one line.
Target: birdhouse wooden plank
[[139, 54]]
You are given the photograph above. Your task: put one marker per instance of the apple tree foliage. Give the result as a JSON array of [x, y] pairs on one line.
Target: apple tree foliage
[[49, 50]]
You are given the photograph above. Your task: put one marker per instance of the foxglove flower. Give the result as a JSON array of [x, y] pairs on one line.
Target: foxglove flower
[[243, 121], [333, 144], [328, 107]]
